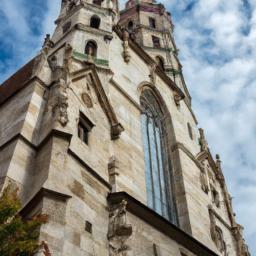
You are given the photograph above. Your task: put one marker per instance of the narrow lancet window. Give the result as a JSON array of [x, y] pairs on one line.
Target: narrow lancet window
[[157, 163]]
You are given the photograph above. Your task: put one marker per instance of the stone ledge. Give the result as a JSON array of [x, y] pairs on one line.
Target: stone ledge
[[146, 214]]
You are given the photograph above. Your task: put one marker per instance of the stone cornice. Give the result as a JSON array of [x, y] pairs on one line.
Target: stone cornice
[[35, 200], [161, 224]]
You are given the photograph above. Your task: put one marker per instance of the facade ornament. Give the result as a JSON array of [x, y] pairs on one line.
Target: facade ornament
[[204, 180], [177, 98], [87, 100], [72, 4], [216, 233], [202, 140], [116, 130], [112, 172], [119, 230], [242, 248], [61, 103], [219, 175], [213, 224], [153, 74], [48, 43], [126, 53]]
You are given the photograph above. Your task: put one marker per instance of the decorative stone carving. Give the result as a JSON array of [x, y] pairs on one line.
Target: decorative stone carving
[[126, 53], [48, 43], [71, 4], [216, 233], [61, 102], [241, 246], [219, 174], [87, 100], [153, 74], [112, 172], [202, 141], [177, 98], [116, 130], [119, 230], [204, 180]]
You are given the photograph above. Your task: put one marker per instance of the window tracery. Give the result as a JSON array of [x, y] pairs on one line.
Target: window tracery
[[158, 167]]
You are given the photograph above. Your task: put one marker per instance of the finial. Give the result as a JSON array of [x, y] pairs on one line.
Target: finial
[[202, 140], [48, 43]]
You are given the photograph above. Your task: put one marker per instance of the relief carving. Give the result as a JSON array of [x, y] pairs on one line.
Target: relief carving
[[241, 246], [217, 234], [204, 180], [126, 53], [87, 100], [177, 98], [119, 230], [61, 102], [153, 74]]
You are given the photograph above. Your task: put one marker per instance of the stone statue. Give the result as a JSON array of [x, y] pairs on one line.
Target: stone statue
[[119, 231]]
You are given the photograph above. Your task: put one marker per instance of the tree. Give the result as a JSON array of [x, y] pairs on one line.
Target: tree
[[17, 236]]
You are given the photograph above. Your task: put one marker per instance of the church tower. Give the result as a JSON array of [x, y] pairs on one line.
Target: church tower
[[150, 25], [97, 131]]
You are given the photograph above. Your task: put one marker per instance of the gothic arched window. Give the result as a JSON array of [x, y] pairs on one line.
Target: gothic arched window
[[157, 159], [95, 22], [91, 49]]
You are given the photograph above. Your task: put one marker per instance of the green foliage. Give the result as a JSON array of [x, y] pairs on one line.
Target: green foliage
[[17, 236]]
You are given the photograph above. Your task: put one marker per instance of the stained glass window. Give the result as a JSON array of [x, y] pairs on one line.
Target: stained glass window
[[157, 164]]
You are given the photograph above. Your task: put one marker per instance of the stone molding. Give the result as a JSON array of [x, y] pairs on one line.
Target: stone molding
[[161, 224], [90, 72], [43, 192], [183, 148], [90, 169], [149, 61]]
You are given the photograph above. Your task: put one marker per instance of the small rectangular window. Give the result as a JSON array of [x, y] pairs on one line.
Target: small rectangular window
[[156, 42], [84, 128], [152, 22]]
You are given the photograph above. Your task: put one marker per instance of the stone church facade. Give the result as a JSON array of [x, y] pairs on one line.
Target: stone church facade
[[97, 131]]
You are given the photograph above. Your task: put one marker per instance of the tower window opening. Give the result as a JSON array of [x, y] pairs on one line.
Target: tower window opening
[[97, 2], [160, 63], [91, 49], [130, 25], [95, 22], [152, 22], [156, 42], [84, 128]]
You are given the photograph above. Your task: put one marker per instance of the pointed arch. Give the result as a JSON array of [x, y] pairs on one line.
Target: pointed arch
[[158, 136]]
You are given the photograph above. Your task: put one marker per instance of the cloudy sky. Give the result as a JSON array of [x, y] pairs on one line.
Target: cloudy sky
[[217, 42]]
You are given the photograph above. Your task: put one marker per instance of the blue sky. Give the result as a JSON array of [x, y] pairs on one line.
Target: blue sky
[[217, 42]]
